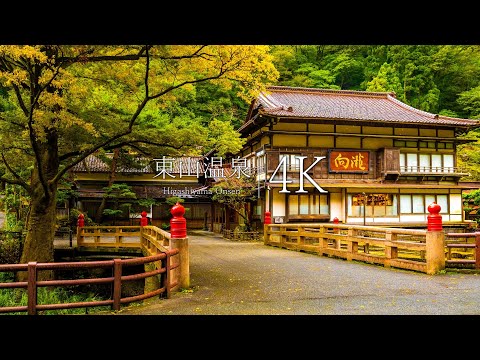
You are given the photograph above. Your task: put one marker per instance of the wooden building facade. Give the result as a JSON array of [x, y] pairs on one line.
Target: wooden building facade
[[363, 157], [180, 177]]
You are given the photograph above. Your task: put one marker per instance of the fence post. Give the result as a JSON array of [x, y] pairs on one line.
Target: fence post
[[32, 288], [143, 219], [477, 250], [336, 221], [80, 225], [117, 284], [266, 221], [435, 240], [179, 240]]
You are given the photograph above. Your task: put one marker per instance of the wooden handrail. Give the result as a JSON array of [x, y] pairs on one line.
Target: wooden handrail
[[385, 246], [152, 240], [473, 257]]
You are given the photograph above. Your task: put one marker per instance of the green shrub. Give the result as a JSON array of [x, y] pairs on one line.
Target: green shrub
[[11, 246]]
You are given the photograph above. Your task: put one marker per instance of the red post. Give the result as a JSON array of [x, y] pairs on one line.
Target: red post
[[81, 220], [434, 220], [144, 219], [178, 224], [336, 221], [268, 218]]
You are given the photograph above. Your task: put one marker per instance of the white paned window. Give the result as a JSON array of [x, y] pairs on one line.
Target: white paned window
[[418, 204], [456, 204], [406, 204], [443, 202], [412, 162], [448, 162]]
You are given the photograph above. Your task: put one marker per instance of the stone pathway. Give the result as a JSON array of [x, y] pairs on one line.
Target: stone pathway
[[249, 278]]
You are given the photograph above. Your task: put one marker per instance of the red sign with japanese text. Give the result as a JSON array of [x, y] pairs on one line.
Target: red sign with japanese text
[[348, 161]]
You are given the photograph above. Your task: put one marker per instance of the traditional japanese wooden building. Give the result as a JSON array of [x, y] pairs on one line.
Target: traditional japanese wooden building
[[363, 157], [157, 179]]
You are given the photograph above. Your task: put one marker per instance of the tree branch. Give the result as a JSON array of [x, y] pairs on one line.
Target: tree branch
[[20, 99], [18, 181], [82, 155], [222, 71], [33, 136], [12, 122]]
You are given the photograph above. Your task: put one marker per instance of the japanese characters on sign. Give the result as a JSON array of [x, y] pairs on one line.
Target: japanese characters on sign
[[167, 166], [347, 161], [339, 161]]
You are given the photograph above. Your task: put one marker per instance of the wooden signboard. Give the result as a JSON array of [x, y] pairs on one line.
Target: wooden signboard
[[348, 161]]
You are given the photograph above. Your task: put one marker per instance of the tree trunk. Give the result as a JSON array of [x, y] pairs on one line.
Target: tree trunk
[[111, 180], [42, 215], [41, 223]]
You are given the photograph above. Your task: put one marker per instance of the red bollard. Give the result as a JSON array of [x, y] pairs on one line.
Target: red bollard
[[178, 224], [81, 220], [336, 221], [268, 218], [434, 220], [144, 219]]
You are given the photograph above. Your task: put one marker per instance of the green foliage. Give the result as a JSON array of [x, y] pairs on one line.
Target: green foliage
[[74, 218], [119, 190], [236, 193], [165, 226], [470, 100], [14, 202], [112, 212], [473, 196], [172, 200], [11, 244], [65, 192]]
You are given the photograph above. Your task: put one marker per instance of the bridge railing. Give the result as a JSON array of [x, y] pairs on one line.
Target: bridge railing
[[420, 250], [165, 254], [463, 250], [108, 236], [401, 248], [160, 261]]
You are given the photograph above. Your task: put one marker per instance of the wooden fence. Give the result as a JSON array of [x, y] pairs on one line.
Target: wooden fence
[[169, 259], [241, 235], [463, 250], [418, 250]]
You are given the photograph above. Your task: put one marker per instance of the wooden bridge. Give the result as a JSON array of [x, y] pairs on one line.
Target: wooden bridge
[[165, 258], [420, 250]]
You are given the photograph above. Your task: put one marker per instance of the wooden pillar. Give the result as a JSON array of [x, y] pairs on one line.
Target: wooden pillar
[[435, 241], [477, 250], [227, 217], [152, 282], [183, 259], [212, 215], [391, 251]]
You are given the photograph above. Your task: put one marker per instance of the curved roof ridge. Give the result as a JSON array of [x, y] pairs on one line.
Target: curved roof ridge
[[332, 91], [275, 104], [411, 108]]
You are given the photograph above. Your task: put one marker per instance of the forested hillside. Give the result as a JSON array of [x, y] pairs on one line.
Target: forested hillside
[[443, 79]]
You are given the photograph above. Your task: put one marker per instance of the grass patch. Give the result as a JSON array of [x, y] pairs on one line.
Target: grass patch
[[48, 295]]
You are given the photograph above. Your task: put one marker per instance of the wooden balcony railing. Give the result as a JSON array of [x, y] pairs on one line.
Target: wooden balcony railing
[[432, 170]]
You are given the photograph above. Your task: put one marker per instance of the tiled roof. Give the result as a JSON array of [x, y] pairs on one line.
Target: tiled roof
[[93, 163], [298, 102]]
